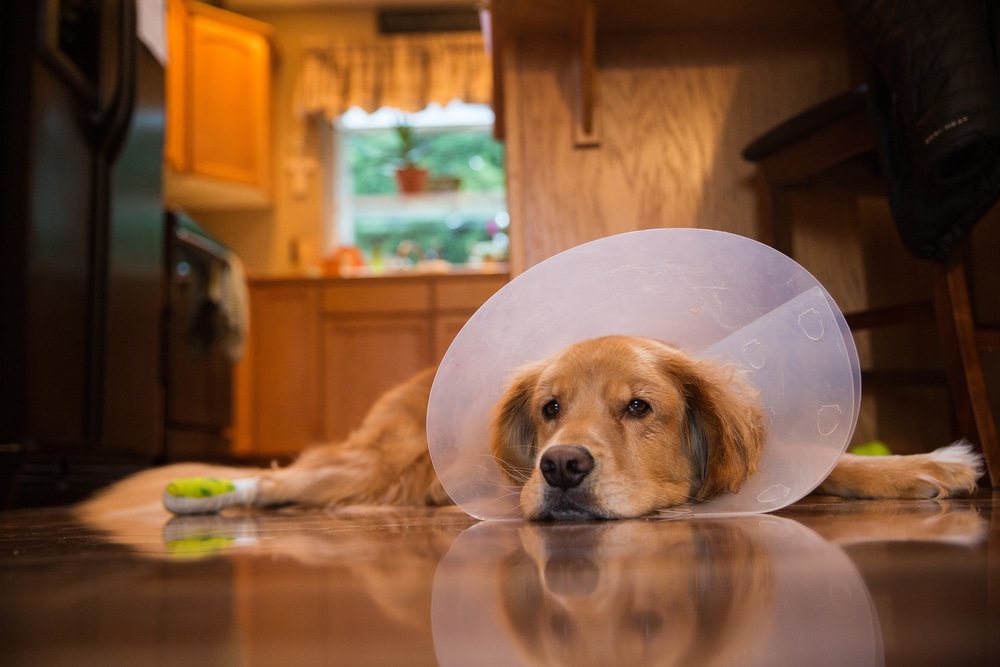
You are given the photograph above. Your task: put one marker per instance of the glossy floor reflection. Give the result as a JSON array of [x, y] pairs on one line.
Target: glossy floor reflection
[[824, 582]]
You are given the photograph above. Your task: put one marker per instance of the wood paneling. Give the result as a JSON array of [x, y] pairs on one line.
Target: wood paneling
[[673, 113], [583, 22]]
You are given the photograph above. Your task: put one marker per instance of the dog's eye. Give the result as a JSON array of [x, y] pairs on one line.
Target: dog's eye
[[550, 410], [637, 407]]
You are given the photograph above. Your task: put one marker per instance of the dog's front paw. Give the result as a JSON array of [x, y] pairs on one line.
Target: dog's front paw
[[208, 495]]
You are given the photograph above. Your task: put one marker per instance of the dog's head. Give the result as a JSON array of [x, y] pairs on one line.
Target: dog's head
[[622, 426]]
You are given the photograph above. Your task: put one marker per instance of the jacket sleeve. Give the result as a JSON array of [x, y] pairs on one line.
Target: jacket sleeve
[[935, 99]]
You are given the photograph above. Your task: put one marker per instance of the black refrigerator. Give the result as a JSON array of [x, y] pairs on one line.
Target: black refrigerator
[[82, 271]]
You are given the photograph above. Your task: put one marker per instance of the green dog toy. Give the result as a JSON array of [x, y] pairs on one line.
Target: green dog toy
[[208, 495], [873, 448]]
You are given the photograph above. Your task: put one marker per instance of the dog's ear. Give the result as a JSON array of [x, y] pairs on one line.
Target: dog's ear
[[723, 426], [512, 433]]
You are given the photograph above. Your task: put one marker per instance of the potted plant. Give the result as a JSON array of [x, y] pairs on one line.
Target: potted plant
[[410, 177]]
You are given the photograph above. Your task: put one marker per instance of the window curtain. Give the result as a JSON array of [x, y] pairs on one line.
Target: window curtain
[[406, 72]]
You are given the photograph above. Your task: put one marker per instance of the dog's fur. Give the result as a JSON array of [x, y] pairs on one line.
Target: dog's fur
[[611, 427]]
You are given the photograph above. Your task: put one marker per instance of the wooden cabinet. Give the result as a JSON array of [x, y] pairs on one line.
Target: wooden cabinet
[[322, 351], [283, 355], [218, 108], [376, 334], [455, 301], [362, 357]]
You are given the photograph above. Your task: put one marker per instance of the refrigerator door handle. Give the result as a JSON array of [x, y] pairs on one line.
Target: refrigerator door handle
[[113, 120]]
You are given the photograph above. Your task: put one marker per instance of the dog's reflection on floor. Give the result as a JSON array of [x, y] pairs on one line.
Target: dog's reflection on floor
[[751, 590], [681, 593], [759, 590]]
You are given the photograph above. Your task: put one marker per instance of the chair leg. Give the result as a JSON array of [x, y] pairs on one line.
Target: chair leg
[[779, 216], [966, 381]]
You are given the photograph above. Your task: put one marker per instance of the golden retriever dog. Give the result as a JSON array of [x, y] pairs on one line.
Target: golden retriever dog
[[612, 427], [622, 426]]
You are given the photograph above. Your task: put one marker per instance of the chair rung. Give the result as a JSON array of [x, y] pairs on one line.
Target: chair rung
[[896, 378], [887, 316]]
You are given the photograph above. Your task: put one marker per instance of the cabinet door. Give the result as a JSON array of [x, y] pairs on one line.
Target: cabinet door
[[229, 108], [228, 96], [175, 150], [285, 384], [362, 358], [446, 328], [456, 298]]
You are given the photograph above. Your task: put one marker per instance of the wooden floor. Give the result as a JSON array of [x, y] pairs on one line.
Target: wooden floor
[[825, 582]]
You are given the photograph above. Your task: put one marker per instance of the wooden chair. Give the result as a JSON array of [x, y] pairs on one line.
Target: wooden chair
[[833, 144]]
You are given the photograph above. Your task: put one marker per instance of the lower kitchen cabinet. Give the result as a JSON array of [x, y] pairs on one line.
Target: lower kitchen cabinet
[[362, 358], [283, 372], [321, 351]]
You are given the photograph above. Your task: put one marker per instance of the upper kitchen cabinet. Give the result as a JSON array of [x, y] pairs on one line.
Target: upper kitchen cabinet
[[218, 109]]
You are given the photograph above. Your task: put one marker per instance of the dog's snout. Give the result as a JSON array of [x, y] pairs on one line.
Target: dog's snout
[[565, 466]]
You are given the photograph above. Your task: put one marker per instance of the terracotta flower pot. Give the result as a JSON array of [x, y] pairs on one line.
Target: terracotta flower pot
[[411, 179]]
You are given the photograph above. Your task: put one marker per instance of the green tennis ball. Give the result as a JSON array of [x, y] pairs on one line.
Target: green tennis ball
[[193, 547], [873, 448], [200, 487]]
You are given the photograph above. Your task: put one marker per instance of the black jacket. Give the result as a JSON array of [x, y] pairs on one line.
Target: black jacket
[[935, 97]]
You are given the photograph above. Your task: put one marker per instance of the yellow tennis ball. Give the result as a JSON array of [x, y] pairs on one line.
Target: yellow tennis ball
[[873, 448], [199, 487]]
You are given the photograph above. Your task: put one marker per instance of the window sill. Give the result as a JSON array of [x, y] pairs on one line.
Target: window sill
[[429, 204]]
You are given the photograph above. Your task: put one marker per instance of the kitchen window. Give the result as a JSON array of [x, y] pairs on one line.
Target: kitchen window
[[459, 215]]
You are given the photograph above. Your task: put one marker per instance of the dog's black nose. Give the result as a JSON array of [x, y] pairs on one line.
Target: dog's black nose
[[565, 466]]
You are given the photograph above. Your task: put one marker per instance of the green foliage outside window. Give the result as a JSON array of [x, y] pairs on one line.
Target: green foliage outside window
[[471, 156]]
